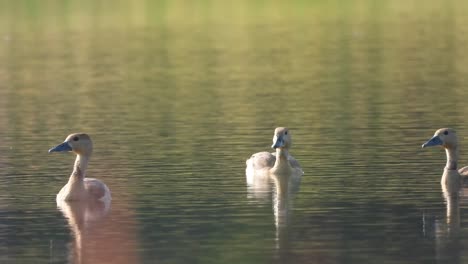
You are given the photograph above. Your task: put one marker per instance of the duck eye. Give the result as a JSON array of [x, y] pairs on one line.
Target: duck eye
[[75, 138], [445, 132]]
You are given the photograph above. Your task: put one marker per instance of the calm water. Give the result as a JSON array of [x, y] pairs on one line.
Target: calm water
[[178, 94]]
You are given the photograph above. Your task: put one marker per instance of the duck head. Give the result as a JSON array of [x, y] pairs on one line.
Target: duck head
[[281, 138], [445, 137], [79, 143]]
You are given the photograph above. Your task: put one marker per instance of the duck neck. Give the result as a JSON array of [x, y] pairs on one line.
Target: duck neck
[[452, 158], [79, 169], [282, 162]]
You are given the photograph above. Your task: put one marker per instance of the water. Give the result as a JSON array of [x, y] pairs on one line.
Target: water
[[177, 95]]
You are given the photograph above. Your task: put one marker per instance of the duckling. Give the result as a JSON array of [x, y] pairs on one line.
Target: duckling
[[280, 162], [452, 176], [80, 188]]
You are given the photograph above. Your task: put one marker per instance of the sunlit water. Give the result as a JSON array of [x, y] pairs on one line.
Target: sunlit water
[[177, 95]]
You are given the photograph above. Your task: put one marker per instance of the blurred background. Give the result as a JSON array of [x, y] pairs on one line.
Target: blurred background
[[176, 95]]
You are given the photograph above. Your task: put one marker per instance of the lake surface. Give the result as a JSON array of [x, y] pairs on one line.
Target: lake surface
[[178, 94]]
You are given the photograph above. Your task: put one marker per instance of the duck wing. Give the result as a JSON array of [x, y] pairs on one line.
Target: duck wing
[[96, 188]]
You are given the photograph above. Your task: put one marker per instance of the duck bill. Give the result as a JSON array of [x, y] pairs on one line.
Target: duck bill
[[434, 141], [60, 148], [279, 142]]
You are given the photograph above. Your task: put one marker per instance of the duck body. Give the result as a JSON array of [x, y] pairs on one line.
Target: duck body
[[263, 164], [88, 189], [266, 161], [451, 181], [452, 177], [80, 188]]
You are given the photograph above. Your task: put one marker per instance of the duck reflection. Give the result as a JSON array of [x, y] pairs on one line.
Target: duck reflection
[[285, 187], [281, 189], [97, 236], [445, 230], [447, 241], [452, 202], [84, 219]]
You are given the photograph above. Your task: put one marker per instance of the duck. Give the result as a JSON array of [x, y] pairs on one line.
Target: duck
[[79, 187], [279, 162], [452, 177], [276, 175]]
